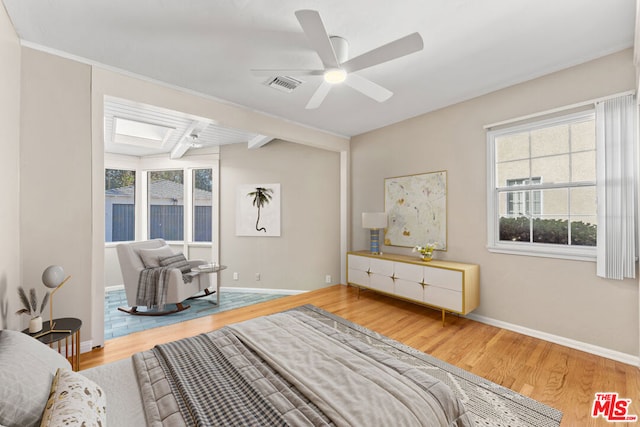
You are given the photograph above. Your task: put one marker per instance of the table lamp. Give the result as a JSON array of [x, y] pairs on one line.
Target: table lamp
[[53, 277], [374, 221]]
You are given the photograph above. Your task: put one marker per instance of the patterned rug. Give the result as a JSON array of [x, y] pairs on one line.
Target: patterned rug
[[490, 403], [118, 324]]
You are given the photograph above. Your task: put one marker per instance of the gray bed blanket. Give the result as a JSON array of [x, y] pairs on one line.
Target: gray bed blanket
[[288, 369]]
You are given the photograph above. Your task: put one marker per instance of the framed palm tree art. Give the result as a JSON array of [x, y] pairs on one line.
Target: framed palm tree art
[[258, 210]]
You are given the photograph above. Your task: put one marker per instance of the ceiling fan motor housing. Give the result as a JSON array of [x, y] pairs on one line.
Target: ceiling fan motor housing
[[340, 47]]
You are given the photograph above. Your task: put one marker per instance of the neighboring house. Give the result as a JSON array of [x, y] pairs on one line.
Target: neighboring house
[[166, 212]]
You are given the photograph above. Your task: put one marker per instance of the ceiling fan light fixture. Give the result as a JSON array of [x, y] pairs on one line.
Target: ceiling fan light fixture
[[335, 75], [193, 143]]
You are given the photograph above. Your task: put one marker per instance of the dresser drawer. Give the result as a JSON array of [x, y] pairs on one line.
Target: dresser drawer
[[443, 278], [443, 298], [358, 277], [381, 283], [381, 266], [358, 263], [409, 289], [411, 272]]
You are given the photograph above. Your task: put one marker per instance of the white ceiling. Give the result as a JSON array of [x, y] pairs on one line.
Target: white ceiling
[[471, 47]]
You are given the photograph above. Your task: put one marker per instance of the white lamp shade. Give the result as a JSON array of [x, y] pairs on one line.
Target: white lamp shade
[[53, 276], [374, 220]]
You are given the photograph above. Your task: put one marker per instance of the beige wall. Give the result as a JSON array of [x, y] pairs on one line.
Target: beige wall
[[559, 297], [55, 177], [308, 248], [10, 277]]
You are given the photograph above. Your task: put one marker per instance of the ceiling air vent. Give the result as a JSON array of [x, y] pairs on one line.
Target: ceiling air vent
[[283, 83]]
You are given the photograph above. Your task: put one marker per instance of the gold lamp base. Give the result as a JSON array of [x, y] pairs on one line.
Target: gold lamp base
[[52, 324]]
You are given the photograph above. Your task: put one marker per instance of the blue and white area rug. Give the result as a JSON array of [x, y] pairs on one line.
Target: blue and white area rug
[[118, 323]]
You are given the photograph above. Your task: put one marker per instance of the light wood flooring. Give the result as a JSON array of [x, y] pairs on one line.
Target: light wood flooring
[[558, 376]]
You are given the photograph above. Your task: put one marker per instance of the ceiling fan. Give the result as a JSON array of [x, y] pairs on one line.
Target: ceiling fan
[[338, 68]]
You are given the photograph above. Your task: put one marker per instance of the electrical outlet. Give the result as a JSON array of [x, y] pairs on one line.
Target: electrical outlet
[[235, 275], [327, 278], [257, 276]]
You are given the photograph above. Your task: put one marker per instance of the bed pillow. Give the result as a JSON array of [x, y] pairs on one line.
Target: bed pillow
[[151, 257], [74, 400], [27, 368], [176, 261]]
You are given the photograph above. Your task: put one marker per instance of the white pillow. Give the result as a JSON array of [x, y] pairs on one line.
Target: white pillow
[[27, 368], [75, 400], [151, 257]]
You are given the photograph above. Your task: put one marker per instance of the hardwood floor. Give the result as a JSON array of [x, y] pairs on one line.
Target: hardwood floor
[[558, 376]]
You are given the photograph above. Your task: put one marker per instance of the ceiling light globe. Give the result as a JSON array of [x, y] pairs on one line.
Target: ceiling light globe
[[335, 75]]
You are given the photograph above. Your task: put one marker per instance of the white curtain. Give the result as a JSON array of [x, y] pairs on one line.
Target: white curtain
[[616, 187]]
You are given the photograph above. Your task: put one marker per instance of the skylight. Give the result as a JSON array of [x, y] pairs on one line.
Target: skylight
[[132, 132]]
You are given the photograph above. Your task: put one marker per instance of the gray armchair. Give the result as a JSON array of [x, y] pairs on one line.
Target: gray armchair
[[136, 256]]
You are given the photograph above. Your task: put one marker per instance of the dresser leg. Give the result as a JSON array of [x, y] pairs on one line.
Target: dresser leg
[[443, 318]]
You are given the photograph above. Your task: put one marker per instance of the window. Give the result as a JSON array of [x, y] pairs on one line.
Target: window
[[165, 198], [542, 187], [120, 205], [523, 202], [202, 204], [178, 201]]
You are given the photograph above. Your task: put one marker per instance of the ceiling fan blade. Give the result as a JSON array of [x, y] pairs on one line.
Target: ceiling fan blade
[[395, 49], [369, 88], [319, 95], [285, 72], [313, 28]]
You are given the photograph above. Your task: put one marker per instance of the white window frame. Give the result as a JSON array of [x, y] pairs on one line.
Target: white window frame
[[494, 244], [158, 163]]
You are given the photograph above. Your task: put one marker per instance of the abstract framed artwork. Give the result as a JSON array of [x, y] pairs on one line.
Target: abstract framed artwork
[[416, 207], [258, 210]]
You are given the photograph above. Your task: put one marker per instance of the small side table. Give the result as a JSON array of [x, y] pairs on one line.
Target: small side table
[[209, 269], [65, 328]]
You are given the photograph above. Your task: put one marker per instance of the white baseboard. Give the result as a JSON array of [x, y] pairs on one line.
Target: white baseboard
[[262, 290], [113, 288], [85, 346], [567, 342]]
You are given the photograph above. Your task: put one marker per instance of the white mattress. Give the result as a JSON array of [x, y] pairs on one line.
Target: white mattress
[[118, 380]]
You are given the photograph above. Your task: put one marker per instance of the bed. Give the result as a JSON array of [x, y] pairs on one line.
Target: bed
[[300, 367], [282, 369]]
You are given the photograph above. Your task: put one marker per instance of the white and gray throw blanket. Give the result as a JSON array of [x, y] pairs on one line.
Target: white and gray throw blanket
[[288, 369], [152, 286]]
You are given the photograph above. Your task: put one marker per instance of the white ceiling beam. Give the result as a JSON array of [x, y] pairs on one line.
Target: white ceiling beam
[[183, 145], [259, 141], [178, 151]]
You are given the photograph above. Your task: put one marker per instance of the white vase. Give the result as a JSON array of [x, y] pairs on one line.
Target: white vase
[[35, 325]]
